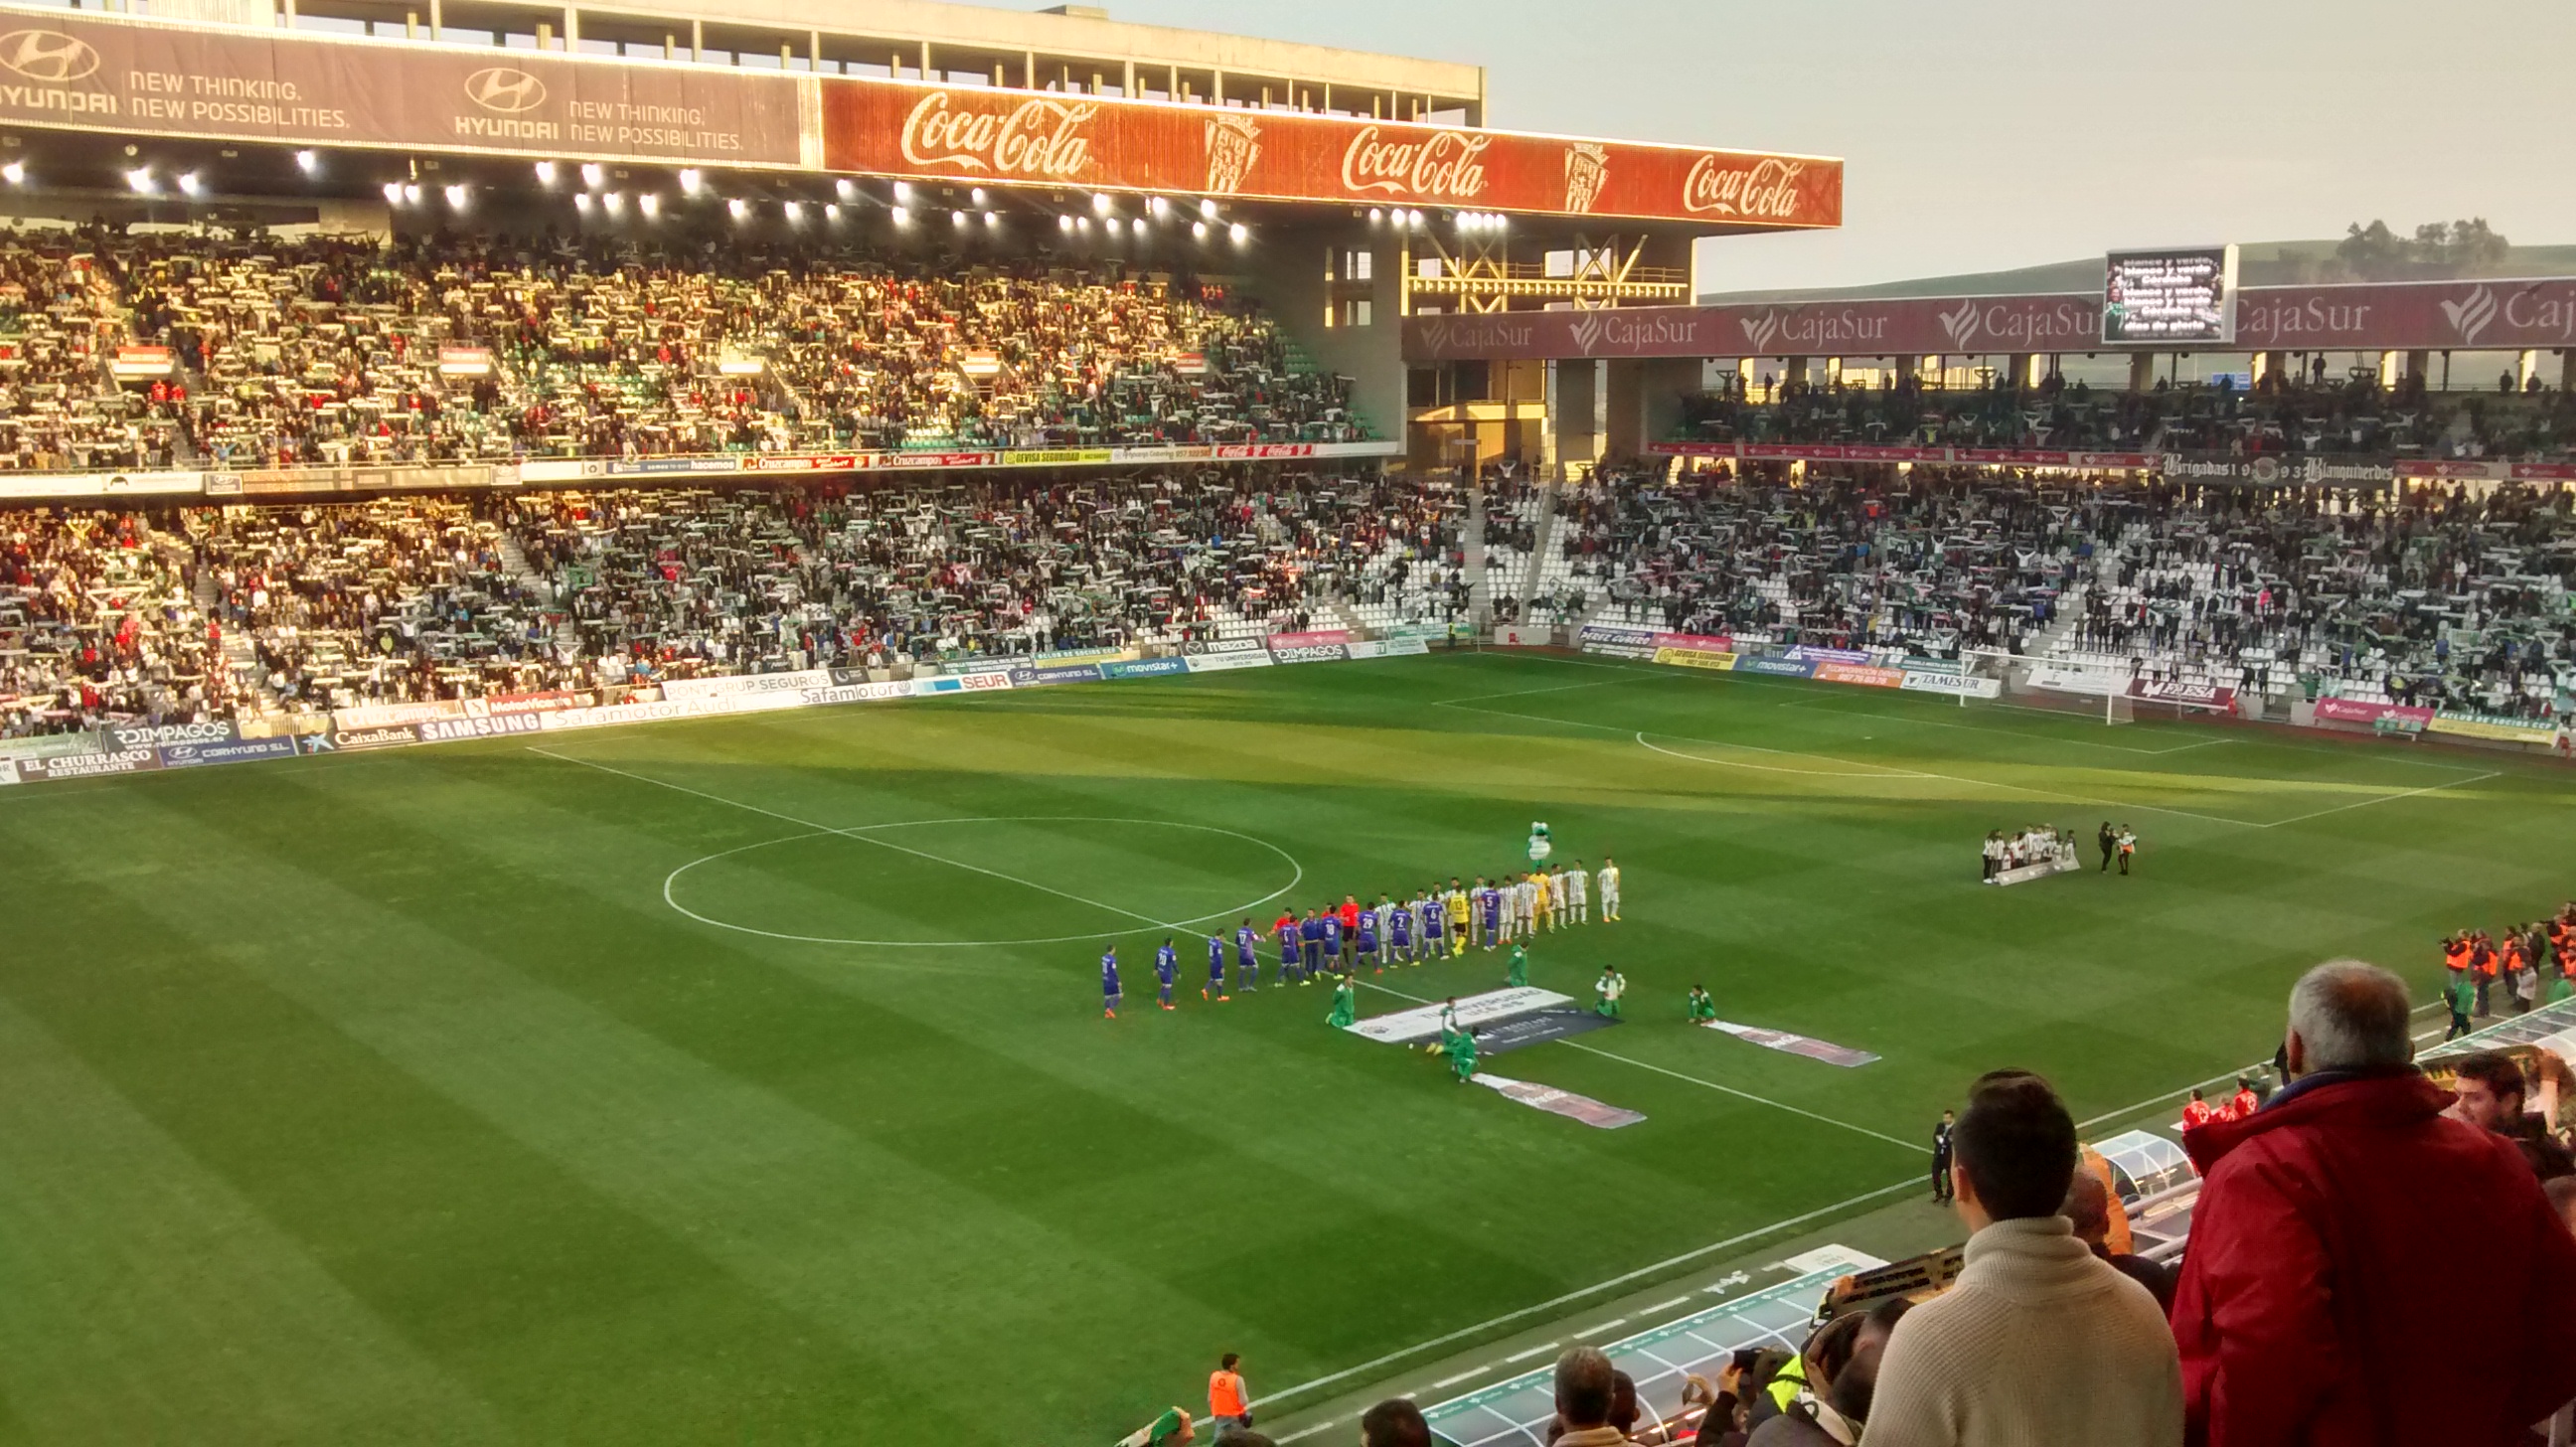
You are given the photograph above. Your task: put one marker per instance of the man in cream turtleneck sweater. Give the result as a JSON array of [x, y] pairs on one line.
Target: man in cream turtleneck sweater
[[2039, 1343]]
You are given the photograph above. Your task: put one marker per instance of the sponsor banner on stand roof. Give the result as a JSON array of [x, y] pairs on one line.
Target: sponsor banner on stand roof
[[1787, 1043], [2489, 471], [2491, 315], [2356, 711], [2495, 728], [34, 485], [90, 765], [2185, 693], [1862, 452], [1222, 662], [1559, 1102], [126, 76], [979, 135], [236, 751], [1422, 1022]]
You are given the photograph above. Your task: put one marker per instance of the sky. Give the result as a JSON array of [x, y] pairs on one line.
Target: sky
[[1984, 134]]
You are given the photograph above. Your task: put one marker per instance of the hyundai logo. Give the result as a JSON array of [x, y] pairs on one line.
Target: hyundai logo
[[47, 55], [503, 89]]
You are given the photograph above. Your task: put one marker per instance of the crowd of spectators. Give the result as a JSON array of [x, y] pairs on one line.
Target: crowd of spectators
[[461, 348], [2436, 597], [121, 617], [2359, 1214], [2290, 416], [99, 622]]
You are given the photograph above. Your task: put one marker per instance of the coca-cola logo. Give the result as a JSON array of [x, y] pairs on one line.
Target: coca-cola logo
[[1767, 190], [48, 55], [1040, 137], [1442, 166]]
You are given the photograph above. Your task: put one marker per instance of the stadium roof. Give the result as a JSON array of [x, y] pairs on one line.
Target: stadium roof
[[2263, 263]]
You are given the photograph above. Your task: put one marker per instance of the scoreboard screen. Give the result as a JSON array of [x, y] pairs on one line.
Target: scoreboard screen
[[2174, 296]]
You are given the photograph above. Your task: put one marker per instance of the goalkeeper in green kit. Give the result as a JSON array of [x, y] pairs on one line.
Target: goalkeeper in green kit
[[1461, 1045], [1517, 972], [1345, 1005]]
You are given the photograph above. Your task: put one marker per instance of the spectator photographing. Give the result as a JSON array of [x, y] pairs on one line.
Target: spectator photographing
[[2039, 1344], [2329, 1239]]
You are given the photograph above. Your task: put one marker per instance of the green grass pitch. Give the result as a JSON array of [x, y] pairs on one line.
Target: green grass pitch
[[413, 1097]]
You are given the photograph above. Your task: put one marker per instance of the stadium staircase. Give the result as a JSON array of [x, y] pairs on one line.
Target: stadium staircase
[[514, 560], [239, 656], [1480, 594], [1542, 539]]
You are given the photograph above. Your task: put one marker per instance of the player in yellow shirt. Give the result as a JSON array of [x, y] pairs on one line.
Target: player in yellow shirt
[[1457, 903], [1542, 903]]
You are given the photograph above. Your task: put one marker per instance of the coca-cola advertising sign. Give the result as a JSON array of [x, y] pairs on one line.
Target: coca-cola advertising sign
[[986, 135]]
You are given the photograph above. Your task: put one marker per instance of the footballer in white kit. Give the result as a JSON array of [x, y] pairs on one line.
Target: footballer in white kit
[[1608, 879], [1578, 892]]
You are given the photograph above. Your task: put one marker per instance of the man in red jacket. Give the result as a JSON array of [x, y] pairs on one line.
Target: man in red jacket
[[2325, 1267]]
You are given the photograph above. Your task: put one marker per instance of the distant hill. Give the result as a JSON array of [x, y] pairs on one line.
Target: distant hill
[[2259, 263]]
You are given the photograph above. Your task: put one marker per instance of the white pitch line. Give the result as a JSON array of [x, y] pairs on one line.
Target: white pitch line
[[1773, 768], [1469, 1375], [855, 832], [1302, 1433], [1662, 1306], [1611, 1324], [1934, 723], [1695, 1080], [2385, 799], [1552, 1303], [1747, 1095], [1535, 1351]]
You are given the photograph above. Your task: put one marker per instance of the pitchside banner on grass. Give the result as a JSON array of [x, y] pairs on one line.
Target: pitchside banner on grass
[[1538, 1028], [1559, 1102], [1783, 1041], [1422, 1022]]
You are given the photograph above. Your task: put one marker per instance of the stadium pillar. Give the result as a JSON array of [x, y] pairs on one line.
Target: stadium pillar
[[2388, 369], [2025, 370], [2142, 371], [1573, 390], [2526, 367], [1793, 369], [2567, 370], [2419, 366]]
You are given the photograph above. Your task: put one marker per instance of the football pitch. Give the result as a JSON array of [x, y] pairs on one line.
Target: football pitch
[[745, 1079]]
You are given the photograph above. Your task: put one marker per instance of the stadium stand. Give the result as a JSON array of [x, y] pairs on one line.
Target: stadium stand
[[2358, 417]]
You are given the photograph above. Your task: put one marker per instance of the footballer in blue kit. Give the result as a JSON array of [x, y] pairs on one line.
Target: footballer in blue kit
[[1364, 949], [1332, 941], [1247, 955], [1312, 932], [1167, 966], [1435, 924], [1216, 969], [1400, 932], [1490, 902], [1109, 983]]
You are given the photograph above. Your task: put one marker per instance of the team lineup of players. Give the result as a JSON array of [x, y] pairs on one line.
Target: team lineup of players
[[1342, 939]]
